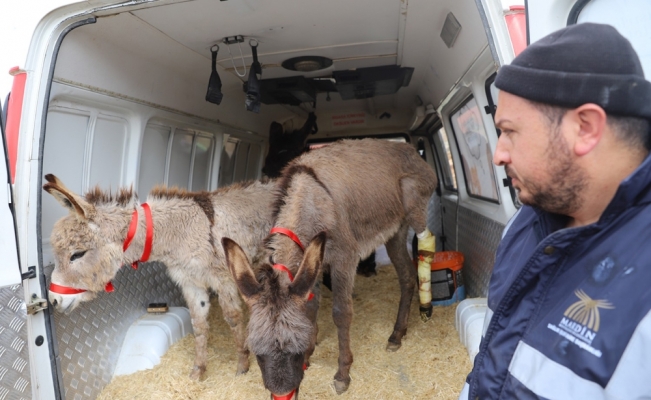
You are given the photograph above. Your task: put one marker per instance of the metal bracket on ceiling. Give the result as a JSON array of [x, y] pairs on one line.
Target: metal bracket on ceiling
[[233, 39]]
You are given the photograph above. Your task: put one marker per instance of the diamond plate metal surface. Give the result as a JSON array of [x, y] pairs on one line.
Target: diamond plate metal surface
[[15, 379], [478, 240], [90, 338]]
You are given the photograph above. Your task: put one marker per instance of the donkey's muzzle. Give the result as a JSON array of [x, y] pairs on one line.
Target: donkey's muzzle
[[63, 302]]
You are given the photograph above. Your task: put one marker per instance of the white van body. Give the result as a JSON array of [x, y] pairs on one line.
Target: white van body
[[114, 95]]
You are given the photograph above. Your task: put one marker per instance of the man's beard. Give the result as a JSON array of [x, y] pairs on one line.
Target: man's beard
[[562, 192]]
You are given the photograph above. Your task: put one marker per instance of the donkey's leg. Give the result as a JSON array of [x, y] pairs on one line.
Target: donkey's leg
[[343, 280], [199, 304], [397, 251], [312, 310], [231, 304]]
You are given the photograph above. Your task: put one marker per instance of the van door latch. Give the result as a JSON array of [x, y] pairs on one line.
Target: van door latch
[[36, 304]]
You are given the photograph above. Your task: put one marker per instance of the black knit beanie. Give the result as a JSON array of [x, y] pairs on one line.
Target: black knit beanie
[[583, 63]]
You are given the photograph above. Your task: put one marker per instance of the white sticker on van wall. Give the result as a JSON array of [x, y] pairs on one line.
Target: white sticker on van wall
[[348, 120]]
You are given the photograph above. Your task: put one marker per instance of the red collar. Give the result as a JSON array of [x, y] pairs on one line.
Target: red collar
[[283, 268], [64, 289], [68, 290], [289, 234], [149, 237], [288, 396]]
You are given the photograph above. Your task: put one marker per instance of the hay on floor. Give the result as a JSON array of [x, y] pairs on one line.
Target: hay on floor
[[431, 364]]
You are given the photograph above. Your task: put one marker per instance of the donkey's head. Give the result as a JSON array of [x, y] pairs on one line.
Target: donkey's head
[[86, 244], [279, 330]]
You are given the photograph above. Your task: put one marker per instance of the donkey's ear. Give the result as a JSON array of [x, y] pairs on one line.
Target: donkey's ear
[[310, 267], [240, 268], [76, 204]]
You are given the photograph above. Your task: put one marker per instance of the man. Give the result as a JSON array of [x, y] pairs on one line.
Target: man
[[569, 296]]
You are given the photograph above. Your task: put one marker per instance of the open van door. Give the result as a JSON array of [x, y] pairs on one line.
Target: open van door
[[13, 311], [9, 269], [629, 17]]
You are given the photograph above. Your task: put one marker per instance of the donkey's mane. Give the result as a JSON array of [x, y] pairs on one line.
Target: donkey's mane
[[97, 196], [174, 192], [285, 181]]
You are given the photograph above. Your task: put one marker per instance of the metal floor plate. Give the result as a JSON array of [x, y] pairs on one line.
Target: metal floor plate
[[90, 338], [15, 379]]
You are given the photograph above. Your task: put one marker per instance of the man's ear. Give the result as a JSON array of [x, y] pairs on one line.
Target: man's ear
[[240, 269], [591, 123], [74, 203], [310, 267]]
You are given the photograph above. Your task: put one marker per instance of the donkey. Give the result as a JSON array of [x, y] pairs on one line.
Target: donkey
[[283, 148], [358, 193], [90, 247]]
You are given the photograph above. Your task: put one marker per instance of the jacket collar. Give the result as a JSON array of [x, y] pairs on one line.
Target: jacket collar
[[634, 190]]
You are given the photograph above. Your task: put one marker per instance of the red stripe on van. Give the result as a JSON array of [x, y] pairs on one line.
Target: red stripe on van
[[516, 22], [14, 111]]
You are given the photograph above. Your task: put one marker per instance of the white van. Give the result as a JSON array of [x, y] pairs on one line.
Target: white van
[[113, 93]]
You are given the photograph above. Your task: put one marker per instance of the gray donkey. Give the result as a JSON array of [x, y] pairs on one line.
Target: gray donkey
[[90, 245], [358, 193]]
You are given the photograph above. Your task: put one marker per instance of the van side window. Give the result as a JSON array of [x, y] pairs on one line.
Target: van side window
[[180, 159], [203, 155], [184, 161], [476, 155], [108, 148], [441, 146], [153, 158], [240, 161]]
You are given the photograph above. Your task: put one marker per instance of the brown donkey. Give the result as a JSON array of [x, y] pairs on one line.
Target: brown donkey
[[89, 247], [362, 194]]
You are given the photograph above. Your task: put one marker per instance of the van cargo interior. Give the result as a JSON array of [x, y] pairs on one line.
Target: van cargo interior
[[127, 106]]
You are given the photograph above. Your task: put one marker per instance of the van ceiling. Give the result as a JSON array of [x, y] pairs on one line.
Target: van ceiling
[[363, 33]]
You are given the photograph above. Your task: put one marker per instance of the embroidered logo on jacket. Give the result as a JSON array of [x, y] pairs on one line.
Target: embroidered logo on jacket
[[586, 310], [581, 320]]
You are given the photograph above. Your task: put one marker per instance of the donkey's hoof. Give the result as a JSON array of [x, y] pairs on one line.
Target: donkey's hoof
[[341, 386], [198, 373], [393, 346]]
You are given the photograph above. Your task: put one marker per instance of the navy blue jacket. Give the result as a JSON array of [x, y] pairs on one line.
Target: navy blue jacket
[[570, 306]]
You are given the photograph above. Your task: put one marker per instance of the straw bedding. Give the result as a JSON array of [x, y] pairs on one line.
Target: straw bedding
[[431, 364]]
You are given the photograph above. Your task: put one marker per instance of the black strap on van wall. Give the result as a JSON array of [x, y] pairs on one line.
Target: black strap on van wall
[[253, 94], [214, 93]]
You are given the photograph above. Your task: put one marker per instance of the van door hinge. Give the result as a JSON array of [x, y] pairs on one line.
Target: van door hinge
[[36, 304], [30, 274]]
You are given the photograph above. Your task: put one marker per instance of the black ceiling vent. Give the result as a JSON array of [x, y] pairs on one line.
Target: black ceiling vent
[[307, 63], [364, 83], [293, 90]]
